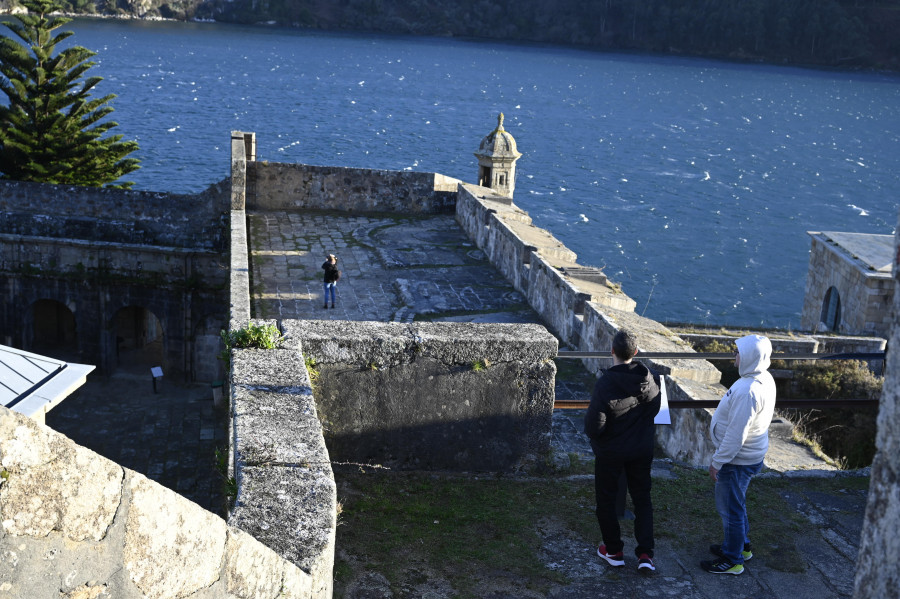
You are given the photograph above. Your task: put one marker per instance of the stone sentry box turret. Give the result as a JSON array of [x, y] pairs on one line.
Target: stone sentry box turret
[[497, 157]]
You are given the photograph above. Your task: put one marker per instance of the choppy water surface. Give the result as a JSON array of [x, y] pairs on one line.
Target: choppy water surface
[[691, 182]]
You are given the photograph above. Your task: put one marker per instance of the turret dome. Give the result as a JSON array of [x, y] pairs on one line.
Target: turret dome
[[498, 144]]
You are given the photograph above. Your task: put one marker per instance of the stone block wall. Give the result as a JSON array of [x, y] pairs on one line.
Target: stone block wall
[[879, 536], [115, 215], [530, 258], [433, 395], [74, 524], [866, 296], [587, 315], [286, 495], [278, 186]]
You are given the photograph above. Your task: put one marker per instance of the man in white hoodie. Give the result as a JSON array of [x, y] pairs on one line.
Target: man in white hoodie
[[740, 432]]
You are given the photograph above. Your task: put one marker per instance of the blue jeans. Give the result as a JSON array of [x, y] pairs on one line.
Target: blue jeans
[[731, 503], [329, 287]]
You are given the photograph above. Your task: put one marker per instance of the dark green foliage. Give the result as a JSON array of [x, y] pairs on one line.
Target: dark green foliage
[[842, 33], [51, 129], [847, 434]]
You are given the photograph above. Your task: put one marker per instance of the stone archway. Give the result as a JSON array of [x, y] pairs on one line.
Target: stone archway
[[139, 338], [53, 329]]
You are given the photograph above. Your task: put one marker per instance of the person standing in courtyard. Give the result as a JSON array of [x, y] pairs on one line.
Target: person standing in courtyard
[[332, 276], [619, 424], [740, 433]]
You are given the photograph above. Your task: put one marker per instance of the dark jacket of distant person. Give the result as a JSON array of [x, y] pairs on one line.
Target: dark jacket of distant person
[[619, 420]]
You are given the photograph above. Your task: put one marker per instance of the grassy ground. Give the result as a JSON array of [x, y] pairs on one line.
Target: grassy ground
[[406, 527]]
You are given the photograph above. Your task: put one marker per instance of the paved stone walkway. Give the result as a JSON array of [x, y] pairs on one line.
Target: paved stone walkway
[[394, 268]]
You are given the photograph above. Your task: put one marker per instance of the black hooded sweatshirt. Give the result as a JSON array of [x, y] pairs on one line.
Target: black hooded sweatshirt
[[619, 421]]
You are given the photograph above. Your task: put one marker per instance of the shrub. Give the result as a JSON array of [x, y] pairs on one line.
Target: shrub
[[256, 336]]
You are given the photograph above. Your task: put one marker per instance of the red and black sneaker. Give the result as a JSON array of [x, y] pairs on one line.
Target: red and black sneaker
[[645, 564], [615, 559]]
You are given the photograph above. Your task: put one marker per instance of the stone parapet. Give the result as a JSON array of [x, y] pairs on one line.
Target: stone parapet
[[110, 261], [239, 273], [115, 215], [432, 395], [534, 262], [602, 323], [278, 186], [282, 467], [112, 532]]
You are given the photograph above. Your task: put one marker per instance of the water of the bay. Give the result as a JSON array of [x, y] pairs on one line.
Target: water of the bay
[[692, 182]]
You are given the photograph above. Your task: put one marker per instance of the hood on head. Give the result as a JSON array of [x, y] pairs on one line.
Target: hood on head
[[756, 354]]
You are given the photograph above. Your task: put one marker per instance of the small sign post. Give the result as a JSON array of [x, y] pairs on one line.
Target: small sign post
[[157, 374]]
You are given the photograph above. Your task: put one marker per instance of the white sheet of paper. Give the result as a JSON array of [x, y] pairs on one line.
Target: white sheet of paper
[[663, 416]]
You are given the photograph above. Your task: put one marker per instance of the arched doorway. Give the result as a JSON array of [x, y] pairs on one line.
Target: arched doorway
[[53, 332], [140, 341], [831, 309]]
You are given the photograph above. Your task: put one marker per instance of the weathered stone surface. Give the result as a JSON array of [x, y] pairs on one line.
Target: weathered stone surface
[[381, 344], [253, 571], [879, 536], [54, 484], [281, 186], [291, 510], [277, 428], [269, 368], [172, 547], [433, 395]]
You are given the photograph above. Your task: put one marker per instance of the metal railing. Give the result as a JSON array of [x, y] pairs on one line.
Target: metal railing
[[712, 403]]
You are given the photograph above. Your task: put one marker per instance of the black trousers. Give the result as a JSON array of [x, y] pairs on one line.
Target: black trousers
[[607, 475]]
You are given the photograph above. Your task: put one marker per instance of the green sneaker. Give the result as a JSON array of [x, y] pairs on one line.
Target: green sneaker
[[722, 566], [717, 551]]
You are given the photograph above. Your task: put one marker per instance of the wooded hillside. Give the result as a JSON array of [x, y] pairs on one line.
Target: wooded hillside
[[833, 33]]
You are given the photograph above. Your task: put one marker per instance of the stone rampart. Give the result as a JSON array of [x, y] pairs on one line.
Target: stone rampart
[[115, 215], [586, 314], [286, 495], [278, 186], [433, 395], [74, 524]]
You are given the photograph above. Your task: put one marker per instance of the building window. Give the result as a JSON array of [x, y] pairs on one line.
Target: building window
[[831, 309]]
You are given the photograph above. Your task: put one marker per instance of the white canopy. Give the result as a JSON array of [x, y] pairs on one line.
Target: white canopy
[[32, 384]]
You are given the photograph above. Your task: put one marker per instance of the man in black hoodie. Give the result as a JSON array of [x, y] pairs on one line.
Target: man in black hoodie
[[619, 423]]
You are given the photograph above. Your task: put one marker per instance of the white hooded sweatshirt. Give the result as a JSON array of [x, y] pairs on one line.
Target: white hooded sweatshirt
[[740, 425]]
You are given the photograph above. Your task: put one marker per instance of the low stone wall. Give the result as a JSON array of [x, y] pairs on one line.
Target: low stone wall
[[433, 395], [106, 261], [74, 524], [533, 261], [286, 495], [115, 215], [239, 279], [278, 186]]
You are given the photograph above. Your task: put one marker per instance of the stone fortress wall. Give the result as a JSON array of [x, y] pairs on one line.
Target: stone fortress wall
[[77, 525], [156, 251]]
